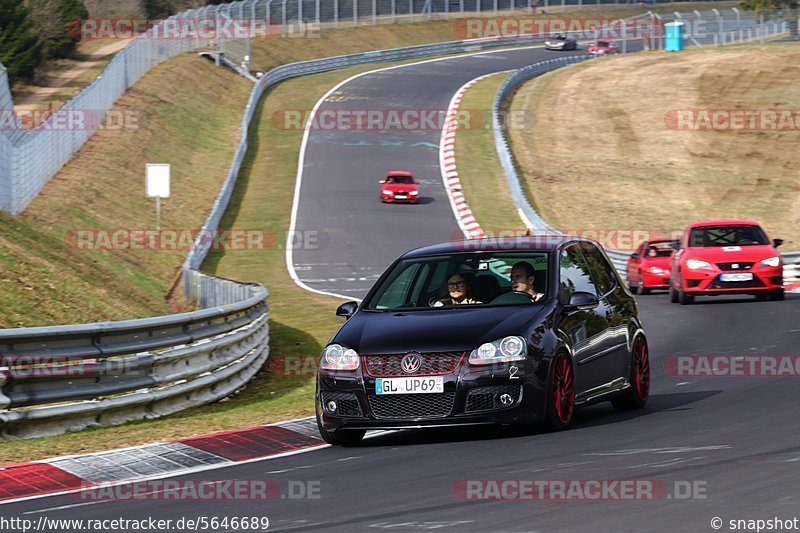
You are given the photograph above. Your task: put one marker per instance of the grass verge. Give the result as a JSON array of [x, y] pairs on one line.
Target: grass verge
[[613, 159], [482, 178]]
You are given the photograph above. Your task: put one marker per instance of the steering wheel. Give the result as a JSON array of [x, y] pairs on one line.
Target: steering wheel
[[432, 301], [513, 297]]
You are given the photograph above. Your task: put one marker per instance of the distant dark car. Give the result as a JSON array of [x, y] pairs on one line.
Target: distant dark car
[[561, 42], [403, 360], [399, 186], [648, 267], [603, 47]]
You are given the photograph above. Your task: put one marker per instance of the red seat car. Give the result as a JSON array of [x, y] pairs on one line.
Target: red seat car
[[726, 257], [648, 267], [399, 186], [603, 47]]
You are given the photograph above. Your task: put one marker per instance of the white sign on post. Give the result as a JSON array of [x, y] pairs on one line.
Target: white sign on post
[[158, 186], [157, 180]]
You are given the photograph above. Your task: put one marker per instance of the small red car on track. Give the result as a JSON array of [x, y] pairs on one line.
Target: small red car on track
[[648, 267], [399, 186], [726, 257], [603, 47]]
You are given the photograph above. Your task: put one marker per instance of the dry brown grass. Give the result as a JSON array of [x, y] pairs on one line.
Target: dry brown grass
[[597, 153]]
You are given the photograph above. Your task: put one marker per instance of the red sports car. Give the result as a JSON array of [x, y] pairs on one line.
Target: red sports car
[[399, 186], [648, 267], [603, 47], [726, 257]]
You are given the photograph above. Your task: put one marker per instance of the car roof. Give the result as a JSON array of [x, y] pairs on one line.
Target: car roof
[[724, 222], [398, 173], [542, 243]]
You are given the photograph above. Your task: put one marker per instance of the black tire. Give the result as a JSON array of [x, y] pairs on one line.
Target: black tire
[[560, 411], [641, 290], [341, 437], [635, 397], [777, 296], [673, 294], [685, 299]]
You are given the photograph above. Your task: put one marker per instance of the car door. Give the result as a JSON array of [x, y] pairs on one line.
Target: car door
[[634, 261], [584, 328], [616, 305]]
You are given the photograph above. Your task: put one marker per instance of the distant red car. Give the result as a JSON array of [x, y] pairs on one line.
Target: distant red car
[[726, 257], [603, 47], [399, 186], [648, 267]]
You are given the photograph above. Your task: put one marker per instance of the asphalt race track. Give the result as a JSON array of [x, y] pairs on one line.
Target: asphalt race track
[[722, 446], [339, 198]]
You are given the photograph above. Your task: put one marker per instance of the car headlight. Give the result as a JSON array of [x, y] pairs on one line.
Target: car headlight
[[511, 348], [656, 270], [338, 357], [696, 264], [771, 262], [387, 191], [412, 193]]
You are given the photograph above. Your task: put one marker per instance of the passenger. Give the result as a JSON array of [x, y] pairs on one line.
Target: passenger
[[460, 292], [522, 277]]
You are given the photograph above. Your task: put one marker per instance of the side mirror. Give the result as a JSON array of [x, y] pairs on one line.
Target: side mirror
[[582, 301], [347, 309], [777, 242], [635, 256]]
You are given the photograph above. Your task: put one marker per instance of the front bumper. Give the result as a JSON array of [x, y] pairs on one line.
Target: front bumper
[[393, 199], [709, 282], [471, 396], [655, 281]]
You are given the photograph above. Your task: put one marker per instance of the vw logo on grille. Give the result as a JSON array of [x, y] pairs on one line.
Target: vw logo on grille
[[411, 363]]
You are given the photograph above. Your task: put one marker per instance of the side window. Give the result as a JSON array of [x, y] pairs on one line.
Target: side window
[[602, 272], [396, 295], [574, 274]]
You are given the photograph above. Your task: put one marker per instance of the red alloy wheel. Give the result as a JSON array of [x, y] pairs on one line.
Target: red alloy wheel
[[641, 369], [563, 389]]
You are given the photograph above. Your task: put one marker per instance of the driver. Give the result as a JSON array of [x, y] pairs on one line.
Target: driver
[[522, 278], [460, 292]]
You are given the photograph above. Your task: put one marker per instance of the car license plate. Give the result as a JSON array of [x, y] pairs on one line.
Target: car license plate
[[736, 277], [426, 385], [400, 196]]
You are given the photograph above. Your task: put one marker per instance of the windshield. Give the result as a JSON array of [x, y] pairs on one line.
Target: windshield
[[604, 44], [400, 179], [477, 279], [727, 236], [660, 249]]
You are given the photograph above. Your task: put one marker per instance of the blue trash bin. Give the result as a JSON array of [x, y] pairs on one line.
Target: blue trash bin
[[673, 36]]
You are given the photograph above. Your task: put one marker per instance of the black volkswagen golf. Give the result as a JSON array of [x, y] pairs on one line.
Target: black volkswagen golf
[[484, 332]]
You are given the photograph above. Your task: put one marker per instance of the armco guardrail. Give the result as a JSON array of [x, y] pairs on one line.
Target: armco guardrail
[[64, 378]]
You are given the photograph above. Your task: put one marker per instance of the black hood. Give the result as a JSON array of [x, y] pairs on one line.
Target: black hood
[[441, 330]]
